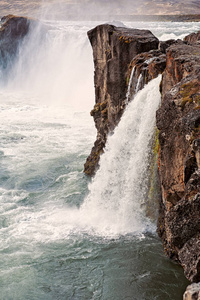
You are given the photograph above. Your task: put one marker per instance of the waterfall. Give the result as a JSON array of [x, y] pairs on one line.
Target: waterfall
[[51, 62], [118, 191], [116, 199], [139, 83], [128, 94]]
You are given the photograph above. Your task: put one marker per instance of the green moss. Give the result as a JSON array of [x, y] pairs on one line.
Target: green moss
[[98, 108], [186, 100], [190, 93], [127, 80], [156, 145], [154, 190]]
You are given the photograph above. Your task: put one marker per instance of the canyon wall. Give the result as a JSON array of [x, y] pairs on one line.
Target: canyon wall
[[178, 121]]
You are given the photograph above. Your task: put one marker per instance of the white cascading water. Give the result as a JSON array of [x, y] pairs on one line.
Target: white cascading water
[[128, 94], [115, 204], [118, 191], [52, 65]]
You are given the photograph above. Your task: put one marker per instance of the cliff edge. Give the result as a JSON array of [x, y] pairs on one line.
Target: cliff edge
[[113, 49]]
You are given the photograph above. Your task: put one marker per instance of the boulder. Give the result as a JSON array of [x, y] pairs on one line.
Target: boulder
[[192, 292]]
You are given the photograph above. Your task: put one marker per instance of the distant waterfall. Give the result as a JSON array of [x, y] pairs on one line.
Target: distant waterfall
[[118, 191], [51, 63]]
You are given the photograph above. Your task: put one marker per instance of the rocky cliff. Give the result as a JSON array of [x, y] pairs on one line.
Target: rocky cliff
[[113, 50], [178, 121], [125, 60]]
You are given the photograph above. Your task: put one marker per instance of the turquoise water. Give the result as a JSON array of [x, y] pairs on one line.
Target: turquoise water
[[56, 242]]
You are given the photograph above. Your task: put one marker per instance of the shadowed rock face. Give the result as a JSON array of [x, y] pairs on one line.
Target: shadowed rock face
[[178, 121], [113, 50]]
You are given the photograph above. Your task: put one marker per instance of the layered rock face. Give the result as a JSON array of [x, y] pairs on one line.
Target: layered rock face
[[113, 50], [178, 121]]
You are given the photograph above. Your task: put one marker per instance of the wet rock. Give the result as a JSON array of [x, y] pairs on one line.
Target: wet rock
[[113, 50], [192, 292]]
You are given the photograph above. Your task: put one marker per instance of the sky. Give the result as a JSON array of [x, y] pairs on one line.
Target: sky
[[101, 7]]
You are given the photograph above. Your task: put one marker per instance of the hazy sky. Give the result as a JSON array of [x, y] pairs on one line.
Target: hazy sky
[[102, 6]]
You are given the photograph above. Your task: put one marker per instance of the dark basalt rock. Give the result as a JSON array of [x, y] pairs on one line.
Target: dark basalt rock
[[113, 50]]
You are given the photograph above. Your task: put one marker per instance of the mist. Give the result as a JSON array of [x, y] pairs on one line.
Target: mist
[[95, 9]]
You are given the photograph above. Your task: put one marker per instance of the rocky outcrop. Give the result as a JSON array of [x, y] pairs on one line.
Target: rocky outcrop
[[193, 38], [13, 30], [178, 121], [192, 292], [113, 50]]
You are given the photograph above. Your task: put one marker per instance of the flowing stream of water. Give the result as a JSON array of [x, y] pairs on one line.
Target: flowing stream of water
[[62, 235]]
